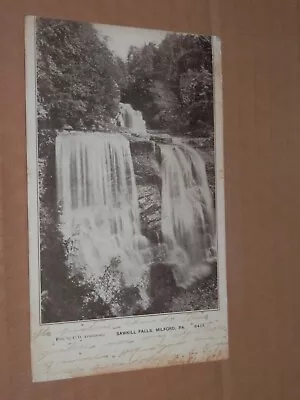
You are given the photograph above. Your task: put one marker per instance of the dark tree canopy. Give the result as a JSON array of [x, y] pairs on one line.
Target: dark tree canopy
[[172, 83], [81, 82], [77, 75]]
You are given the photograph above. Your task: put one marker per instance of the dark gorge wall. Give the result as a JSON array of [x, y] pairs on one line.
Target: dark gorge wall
[[148, 180]]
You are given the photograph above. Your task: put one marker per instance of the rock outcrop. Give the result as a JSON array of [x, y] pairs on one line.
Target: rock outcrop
[[146, 169]]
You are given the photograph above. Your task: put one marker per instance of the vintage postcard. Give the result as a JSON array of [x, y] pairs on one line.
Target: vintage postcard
[[125, 198]]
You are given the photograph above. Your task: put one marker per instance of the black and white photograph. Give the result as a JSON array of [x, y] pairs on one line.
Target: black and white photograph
[[126, 217], [126, 171]]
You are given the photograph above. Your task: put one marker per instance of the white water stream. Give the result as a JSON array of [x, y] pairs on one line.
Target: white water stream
[[97, 192], [188, 226]]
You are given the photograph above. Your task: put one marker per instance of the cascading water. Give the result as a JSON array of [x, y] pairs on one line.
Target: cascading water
[[132, 120], [97, 192], [188, 226]]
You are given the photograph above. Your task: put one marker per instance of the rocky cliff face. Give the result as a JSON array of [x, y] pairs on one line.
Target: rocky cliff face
[[146, 169]]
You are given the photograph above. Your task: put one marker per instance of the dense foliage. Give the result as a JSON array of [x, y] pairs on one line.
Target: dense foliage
[[80, 81], [77, 76], [172, 83]]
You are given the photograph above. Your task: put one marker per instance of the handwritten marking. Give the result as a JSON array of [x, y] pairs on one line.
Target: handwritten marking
[[139, 342]]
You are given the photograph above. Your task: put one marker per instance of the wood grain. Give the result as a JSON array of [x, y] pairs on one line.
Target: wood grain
[[261, 136]]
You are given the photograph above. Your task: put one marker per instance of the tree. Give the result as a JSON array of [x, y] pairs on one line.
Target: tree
[[172, 84], [77, 75]]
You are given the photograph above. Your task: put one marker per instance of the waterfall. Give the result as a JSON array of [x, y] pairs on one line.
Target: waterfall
[[132, 120], [98, 197], [188, 226]]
